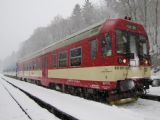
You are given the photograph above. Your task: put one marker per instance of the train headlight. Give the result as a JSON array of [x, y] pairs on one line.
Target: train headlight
[[146, 62], [124, 61]]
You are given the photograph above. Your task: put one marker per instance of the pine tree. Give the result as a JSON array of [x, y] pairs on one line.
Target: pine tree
[[88, 13], [77, 19]]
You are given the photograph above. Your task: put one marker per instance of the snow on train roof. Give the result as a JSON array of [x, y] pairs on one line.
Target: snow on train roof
[[91, 30]]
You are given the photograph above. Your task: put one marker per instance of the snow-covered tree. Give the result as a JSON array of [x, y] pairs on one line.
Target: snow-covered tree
[[88, 13], [77, 19]]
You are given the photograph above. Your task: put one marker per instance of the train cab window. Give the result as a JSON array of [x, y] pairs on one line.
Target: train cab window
[[107, 46], [94, 49], [76, 56], [63, 59], [54, 60], [121, 41], [142, 46]]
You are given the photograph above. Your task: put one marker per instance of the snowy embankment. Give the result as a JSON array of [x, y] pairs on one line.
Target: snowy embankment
[[78, 107], [9, 112]]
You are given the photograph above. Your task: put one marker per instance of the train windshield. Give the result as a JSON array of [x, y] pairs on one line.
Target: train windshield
[[142, 46], [127, 42], [121, 41]]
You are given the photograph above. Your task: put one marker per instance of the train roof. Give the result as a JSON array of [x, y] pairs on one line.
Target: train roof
[[75, 37], [87, 32]]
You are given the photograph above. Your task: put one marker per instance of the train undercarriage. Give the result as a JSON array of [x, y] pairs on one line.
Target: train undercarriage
[[126, 90]]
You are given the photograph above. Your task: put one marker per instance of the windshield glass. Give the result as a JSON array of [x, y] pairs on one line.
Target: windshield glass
[[127, 42], [142, 46], [121, 42]]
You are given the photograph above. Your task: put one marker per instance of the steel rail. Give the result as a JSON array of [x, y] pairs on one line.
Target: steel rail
[[16, 101], [57, 112]]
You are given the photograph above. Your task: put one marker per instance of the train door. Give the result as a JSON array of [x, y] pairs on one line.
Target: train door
[[44, 69]]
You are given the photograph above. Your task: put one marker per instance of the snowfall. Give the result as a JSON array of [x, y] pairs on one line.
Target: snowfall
[[78, 107]]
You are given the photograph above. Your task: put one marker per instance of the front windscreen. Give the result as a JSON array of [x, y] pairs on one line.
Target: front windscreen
[[121, 40], [142, 46], [128, 42]]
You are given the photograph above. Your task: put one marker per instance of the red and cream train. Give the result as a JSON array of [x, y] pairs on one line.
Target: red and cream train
[[106, 62]]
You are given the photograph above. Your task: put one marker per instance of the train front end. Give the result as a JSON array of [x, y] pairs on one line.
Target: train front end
[[132, 62]]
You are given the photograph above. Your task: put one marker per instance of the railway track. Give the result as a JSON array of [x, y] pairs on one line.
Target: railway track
[[151, 97], [84, 109], [58, 113], [20, 106]]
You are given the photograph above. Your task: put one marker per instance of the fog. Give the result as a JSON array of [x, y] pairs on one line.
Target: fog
[[19, 18], [41, 22]]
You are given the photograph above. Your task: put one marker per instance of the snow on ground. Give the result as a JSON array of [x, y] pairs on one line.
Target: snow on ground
[[8, 111], [78, 107], [90, 110], [147, 108], [155, 90], [156, 74]]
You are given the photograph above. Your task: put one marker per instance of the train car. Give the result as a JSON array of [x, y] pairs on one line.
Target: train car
[[10, 71], [107, 62]]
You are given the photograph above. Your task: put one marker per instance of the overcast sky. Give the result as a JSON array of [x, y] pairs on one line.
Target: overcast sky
[[19, 18]]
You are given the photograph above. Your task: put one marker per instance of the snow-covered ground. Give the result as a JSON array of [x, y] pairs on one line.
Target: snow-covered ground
[[9, 110], [155, 90], [90, 110], [149, 109], [157, 74]]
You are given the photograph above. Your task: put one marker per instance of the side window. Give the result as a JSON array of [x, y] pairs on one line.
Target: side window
[[107, 46], [54, 60], [46, 62], [94, 49], [32, 66], [62, 59], [76, 56], [35, 65], [38, 64]]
